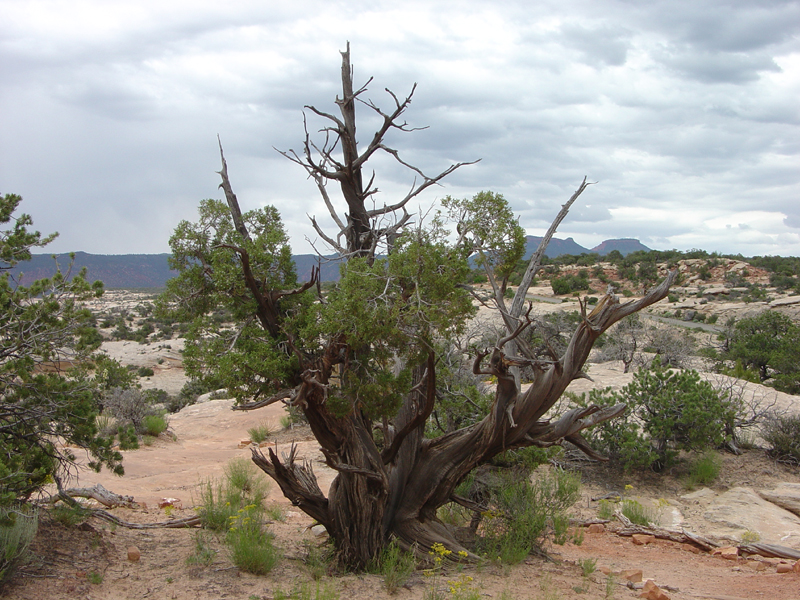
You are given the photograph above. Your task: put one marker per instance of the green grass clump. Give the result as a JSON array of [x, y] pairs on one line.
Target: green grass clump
[[704, 470], [260, 432], [242, 485], [246, 479], [524, 513], [68, 516], [203, 554], [250, 545], [605, 509], [154, 425], [588, 566], [235, 505], [94, 577], [18, 527], [306, 591], [638, 514], [395, 566]]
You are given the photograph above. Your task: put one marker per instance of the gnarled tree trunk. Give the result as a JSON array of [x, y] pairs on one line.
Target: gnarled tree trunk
[[397, 493], [395, 490]]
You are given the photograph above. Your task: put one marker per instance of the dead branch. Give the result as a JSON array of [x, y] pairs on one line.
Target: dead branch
[[282, 395], [193, 521], [536, 259], [99, 493], [770, 551], [297, 482]]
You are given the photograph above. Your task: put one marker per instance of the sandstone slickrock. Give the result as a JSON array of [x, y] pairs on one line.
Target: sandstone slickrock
[[785, 495], [741, 509]]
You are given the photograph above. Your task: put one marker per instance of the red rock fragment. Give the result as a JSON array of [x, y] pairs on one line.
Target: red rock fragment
[[596, 528], [651, 591], [641, 539], [134, 554], [784, 568], [632, 575], [728, 552]]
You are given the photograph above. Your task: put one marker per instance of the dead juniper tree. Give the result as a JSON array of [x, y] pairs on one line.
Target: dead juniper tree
[[360, 361]]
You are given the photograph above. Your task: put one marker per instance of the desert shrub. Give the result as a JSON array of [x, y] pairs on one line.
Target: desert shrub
[[18, 525], [110, 374], [242, 485], [155, 396], [524, 512], [782, 434], [154, 425], [770, 344], [570, 283], [145, 372], [669, 410], [128, 406], [251, 547]]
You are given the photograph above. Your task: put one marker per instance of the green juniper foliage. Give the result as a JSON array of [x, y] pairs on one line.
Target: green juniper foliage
[[770, 344], [246, 359], [669, 410], [44, 399]]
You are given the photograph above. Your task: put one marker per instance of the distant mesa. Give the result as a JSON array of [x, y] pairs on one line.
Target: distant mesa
[[625, 246], [557, 247], [147, 271]]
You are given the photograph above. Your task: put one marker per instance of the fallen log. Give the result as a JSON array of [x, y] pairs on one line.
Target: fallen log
[[770, 551], [99, 493], [192, 521], [683, 536], [110, 499]]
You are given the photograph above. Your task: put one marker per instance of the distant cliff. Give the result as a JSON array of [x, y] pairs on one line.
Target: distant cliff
[[116, 271], [130, 271]]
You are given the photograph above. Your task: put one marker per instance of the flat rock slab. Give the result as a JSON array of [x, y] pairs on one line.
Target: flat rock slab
[[785, 495], [741, 509]]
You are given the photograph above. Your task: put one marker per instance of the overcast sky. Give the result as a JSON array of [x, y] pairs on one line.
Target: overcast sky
[[686, 113]]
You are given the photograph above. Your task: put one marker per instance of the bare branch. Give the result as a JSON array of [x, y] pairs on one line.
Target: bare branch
[[536, 258], [233, 203]]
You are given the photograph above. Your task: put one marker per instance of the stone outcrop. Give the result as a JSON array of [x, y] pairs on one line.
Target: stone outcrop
[[741, 509], [785, 495]]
